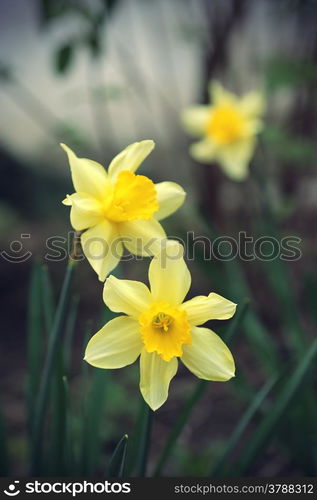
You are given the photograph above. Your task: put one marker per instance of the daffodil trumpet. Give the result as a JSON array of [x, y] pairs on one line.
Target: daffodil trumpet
[[118, 208], [227, 128], [160, 327]]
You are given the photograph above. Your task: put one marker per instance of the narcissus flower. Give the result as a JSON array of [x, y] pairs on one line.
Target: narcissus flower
[[160, 327], [227, 127], [118, 208]]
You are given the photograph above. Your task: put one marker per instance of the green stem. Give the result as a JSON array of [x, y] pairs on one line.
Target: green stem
[[145, 441], [44, 391], [180, 424]]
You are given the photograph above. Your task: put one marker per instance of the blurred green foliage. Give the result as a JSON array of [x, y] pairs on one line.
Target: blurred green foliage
[[84, 416], [91, 37]]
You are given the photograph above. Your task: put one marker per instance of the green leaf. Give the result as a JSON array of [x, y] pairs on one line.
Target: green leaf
[[52, 9], [45, 385], [288, 147], [277, 273], [110, 4], [6, 74], [69, 331], [35, 341], [118, 459], [63, 57], [230, 281], [93, 416], [268, 426], [57, 454], [93, 41], [254, 330], [310, 293], [48, 299], [289, 73], [220, 467]]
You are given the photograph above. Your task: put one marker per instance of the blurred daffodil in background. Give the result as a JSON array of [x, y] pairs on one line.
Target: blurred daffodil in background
[[227, 128], [160, 327], [118, 208]]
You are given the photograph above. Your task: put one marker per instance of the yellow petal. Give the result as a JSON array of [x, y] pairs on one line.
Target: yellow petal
[[88, 176], [126, 296], [68, 200], [134, 198], [85, 212], [155, 377], [204, 151], [170, 197], [208, 357], [130, 158], [235, 159], [117, 344], [201, 309], [102, 247], [219, 95], [168, 275], [141, 237], [195, 119], [253, 104]]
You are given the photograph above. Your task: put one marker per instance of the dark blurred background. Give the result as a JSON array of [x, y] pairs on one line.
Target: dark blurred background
[[98, 75]]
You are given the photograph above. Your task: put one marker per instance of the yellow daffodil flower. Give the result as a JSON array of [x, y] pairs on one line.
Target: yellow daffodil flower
[[118, 208], [228, 129], [160, 327]]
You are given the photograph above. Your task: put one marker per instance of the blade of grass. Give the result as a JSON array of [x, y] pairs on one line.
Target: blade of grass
[[255, 332], [35, 342], [219, 468], [197, 393], [79, 425], [58, 422], [277, 273], [94, 384], [44, 390], [69, 457], [118, 459], [92, 421], [277, 269], [145, 441], [69, 461], [133, 450], [267, 427], [48, 299], [229, 279], [69, 330]]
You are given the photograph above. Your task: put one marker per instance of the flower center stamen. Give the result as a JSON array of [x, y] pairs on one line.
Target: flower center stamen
[[134, 197], [226, 125], [162, 321], [165, 329]]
